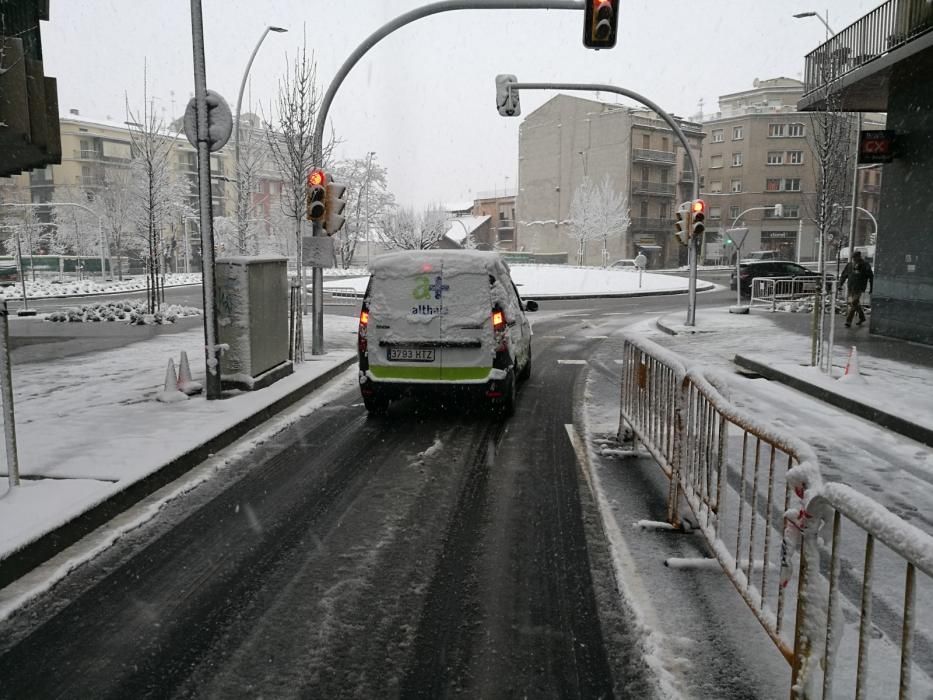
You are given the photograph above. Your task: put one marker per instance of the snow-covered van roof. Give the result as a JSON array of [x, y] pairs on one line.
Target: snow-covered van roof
[[401, 263]]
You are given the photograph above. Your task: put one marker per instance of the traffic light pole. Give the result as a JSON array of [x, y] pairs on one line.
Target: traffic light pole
[[317, 273], [678, 132]]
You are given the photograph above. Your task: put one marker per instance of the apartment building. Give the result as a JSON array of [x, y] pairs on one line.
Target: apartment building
[[499, 206], [760, 153], [568, 139]]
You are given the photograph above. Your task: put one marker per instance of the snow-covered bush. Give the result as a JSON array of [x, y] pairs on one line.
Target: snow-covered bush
[[131, 312]]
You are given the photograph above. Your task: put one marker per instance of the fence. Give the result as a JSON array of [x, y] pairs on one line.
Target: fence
[[758, 500], [771, 291]]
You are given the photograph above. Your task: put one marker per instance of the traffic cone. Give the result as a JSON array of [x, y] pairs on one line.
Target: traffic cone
[[185, 383], [170, 392], [851, 373]]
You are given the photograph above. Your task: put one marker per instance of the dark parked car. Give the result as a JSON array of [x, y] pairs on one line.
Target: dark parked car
[[749, 270]]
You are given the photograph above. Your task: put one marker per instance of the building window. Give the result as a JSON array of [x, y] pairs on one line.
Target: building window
[[795, 157], [775, 158], [736, 160], [791, 211], [664, 210], [646, 141], [795, 129], [715, 186], [665, 145], [717, 136], [664, 176], [715, 161], [643, 210], [645, 173], [787, 184], [736, 185], [733, 212], [737, 134], [775, 130], [715, 213]]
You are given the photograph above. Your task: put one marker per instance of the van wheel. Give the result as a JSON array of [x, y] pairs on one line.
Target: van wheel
[[507, 407], [376, 404], [525, 374]]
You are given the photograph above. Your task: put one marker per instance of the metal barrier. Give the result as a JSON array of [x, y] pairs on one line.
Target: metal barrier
[[341, 296], [770, 291], [759, 501]]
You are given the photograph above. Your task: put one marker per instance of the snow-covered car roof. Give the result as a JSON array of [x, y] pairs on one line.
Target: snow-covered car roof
[[399, 264]]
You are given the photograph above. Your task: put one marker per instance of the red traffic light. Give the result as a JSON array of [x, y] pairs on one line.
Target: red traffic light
[[317, 178], [698, 206], [600, 21]]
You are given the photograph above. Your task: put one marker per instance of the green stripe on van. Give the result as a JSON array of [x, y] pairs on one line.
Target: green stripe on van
[[445, 374]]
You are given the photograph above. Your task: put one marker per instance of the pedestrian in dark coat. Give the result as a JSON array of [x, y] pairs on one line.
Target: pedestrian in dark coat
[[860, 277]]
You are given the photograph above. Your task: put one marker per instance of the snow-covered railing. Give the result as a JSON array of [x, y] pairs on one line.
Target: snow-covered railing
[[758, 499], [770, 291], [836, 633], [341, 296]]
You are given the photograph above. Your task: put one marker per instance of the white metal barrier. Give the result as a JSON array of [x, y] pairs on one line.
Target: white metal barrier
[[770, 291], [758, 498], [341, 296]]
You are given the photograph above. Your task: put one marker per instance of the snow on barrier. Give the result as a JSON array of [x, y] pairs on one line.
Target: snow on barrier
[[759, 500], [771, 291]]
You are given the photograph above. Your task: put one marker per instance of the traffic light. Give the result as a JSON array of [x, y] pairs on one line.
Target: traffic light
[[682, 223], [317, 185], [600, 21], [697, 217], [334, 203], [507, 101]]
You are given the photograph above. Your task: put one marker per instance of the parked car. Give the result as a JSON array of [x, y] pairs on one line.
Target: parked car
[[443, 321], [623, 265], [750, 269]]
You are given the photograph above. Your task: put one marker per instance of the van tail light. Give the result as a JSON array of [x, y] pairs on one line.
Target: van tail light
[[361, 343], [498, 328]]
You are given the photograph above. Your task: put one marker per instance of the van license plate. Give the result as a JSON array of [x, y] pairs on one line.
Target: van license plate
[[411, 354]]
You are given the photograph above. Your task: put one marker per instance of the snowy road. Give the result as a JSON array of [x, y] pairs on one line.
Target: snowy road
[[422, 554]]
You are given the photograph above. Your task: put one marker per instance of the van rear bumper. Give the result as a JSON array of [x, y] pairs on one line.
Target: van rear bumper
[[432, 375]]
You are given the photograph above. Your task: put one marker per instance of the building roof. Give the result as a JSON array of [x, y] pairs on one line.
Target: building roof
[[458, 233]]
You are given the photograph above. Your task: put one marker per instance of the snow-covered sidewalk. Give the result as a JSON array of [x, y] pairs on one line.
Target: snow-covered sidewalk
[[89, 426], [892, 469]]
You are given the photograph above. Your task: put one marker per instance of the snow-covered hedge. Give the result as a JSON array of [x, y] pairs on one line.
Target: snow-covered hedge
[[131, 312]]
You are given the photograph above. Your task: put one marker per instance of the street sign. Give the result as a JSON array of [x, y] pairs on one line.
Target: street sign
[[317, 251], [219, 121], [876, 146]]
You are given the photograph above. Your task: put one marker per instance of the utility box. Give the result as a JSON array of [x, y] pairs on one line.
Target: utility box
[[252, 320]]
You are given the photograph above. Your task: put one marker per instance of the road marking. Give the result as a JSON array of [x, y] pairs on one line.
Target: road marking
[[588, 313], [631, 588], [596, 337], [553, 337], [571, 362], [619, 313]]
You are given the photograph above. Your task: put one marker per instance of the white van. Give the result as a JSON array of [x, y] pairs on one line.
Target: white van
[[442, 320]]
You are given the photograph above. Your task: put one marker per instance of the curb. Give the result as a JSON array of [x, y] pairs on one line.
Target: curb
[[661, 327], [98, 294], [51, 543], [885, 420]]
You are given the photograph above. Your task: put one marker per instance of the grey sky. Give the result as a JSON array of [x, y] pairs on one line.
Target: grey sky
[[423, 99]]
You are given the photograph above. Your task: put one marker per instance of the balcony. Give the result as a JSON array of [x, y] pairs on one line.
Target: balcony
[[647, 155], [656, 189], [640, 223], [856, 64], [85, 154]]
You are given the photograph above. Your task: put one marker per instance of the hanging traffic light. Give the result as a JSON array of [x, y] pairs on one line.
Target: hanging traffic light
[[334, 203], [600, 22], [697, 217], [317, 184], [682, 223]]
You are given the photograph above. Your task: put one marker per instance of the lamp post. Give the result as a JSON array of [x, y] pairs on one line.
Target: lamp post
[[369, 166], [811, 13], [738, 308], [240, 199]]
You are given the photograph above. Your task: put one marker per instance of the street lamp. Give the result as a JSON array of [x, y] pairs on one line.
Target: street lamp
[[829, 30], [369, 165], [738, 308], [236, 124]]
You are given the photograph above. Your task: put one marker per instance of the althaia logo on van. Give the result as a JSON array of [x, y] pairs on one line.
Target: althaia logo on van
[[424, 288]]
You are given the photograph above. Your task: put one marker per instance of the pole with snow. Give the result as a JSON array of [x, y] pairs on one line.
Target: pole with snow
[[6, 390], [211, 348]]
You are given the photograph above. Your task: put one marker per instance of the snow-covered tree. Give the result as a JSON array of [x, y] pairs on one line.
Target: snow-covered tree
[[368, 201], [598, 212], [405, 229], [290, 135], [152, 146]]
